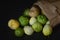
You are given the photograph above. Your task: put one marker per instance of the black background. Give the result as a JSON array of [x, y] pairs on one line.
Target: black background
[[15, 9]]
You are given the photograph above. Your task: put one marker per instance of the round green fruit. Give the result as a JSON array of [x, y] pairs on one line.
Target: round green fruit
[[48, 22], [19, 32], [37, 27], [23, 20], [26, 12], [42, 19], [47, 30]]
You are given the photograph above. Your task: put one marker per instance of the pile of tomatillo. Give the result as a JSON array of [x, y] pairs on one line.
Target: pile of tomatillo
[[32, 20]]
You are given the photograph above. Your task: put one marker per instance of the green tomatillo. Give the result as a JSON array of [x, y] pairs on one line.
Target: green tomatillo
[[37, 27], [23, 20], [19, 32], [42, 19], [47, 30]]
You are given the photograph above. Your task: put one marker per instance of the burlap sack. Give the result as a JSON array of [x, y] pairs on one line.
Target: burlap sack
[[51, 9]]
